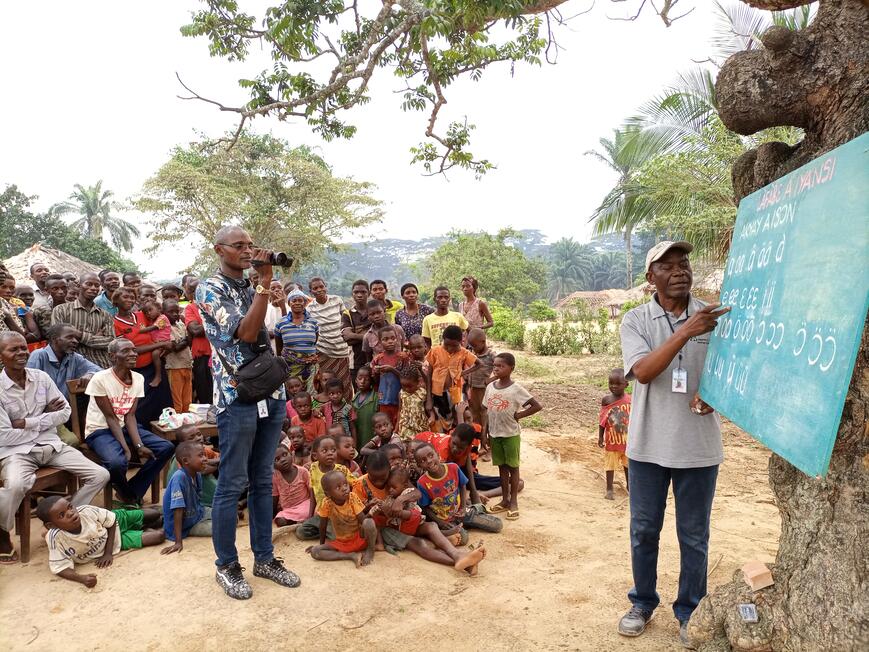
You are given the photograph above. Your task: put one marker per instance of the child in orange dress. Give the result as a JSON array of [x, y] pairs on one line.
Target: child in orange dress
[[354, 531]]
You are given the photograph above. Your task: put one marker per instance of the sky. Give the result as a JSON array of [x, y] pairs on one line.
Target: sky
[[90, 93]]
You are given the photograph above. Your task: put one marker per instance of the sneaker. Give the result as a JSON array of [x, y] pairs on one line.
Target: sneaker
[[232, 581], [634, 622], [684, 639], [277, 573]]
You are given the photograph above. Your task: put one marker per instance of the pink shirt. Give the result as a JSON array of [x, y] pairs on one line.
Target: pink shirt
[[293, 497]]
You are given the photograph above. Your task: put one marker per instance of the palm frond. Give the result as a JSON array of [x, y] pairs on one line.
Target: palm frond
[[738, 27]]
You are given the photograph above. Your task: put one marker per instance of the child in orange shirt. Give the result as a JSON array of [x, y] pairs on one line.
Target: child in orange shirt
[[450, 364], [354, 531]]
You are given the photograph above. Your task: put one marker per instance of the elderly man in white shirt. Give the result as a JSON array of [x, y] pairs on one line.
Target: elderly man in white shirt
[[31, 409]]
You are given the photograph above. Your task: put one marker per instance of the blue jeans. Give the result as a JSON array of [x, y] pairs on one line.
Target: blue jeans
[[693, 490], [103, 443], [247, 458]]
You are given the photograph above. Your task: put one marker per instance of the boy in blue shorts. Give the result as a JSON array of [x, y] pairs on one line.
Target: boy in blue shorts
[[506, 402], [87, 533], [183, 512]]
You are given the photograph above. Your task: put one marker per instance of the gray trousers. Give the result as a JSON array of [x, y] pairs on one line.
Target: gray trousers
[[18, 473]]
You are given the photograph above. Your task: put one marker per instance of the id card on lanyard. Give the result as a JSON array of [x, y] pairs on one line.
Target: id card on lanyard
[[679, 382]]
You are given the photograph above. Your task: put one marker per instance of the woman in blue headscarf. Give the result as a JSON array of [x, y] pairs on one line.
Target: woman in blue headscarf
[[296, 338]]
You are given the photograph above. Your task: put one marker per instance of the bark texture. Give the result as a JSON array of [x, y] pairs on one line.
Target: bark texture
[[817, 80]]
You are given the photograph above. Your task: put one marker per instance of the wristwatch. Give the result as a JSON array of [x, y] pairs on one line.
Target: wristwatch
[[261, 290]]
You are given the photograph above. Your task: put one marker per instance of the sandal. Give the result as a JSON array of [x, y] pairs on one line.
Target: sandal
[[7, 558], [497, 509], [512, 514]]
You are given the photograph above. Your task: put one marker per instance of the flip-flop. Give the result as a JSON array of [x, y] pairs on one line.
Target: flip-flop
[[512, 514], [497, 509], [7, 558]]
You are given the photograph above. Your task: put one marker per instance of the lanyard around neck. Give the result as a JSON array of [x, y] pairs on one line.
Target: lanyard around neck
[[673, 330]]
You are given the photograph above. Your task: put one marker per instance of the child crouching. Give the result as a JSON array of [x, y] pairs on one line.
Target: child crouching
[[354, 531], [87, 533], [183, 513]]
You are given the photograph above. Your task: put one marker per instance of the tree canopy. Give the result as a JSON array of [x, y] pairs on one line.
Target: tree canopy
[[20, 228], [95, 207], [286, 198], [503, 271]]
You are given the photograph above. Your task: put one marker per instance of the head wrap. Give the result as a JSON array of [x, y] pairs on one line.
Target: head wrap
[[296, 292]]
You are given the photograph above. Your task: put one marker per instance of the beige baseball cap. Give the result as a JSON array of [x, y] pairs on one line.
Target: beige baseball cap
[[657, 252]]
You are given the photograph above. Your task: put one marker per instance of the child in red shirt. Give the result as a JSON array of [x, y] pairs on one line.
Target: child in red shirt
[[615, 414], [313, 426]]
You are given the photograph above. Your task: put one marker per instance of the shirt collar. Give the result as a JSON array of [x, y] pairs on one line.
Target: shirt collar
[[77, 306], [52, 356], [658, 311], [7, 383]]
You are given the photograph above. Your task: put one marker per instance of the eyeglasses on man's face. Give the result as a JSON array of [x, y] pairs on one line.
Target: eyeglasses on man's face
[[239, 246]]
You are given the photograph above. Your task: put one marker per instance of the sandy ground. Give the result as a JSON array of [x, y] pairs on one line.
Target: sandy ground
[[555, 579]]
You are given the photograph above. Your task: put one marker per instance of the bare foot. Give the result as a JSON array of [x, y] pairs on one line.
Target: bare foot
[[609, 495], [455, 539], [473, 571], [469, 560], [357, 559], [367, 557]]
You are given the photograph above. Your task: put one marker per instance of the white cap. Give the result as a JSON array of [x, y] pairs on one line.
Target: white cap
[[657, 252]]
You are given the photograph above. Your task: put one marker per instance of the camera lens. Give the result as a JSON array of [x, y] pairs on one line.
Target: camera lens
[[281, 259]]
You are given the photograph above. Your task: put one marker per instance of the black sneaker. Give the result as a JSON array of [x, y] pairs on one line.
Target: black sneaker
[[634, 622], [232, 581], [275, 571]]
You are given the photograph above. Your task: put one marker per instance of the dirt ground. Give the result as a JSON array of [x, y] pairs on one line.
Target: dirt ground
[[555, 579]]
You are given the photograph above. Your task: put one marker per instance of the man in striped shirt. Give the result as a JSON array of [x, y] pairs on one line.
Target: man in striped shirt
[[333, 351], [95, 325]]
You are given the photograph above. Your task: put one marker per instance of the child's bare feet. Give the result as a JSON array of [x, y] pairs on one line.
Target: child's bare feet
[[471, 559], [455, 539], [357, 559], [367, 557], [609, 495]]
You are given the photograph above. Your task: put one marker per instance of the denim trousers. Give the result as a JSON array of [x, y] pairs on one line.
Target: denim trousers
[[693, 490], [247, 457], [109, 450]]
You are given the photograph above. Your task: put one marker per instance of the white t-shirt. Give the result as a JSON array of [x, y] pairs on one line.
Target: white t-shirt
[[106, 383], [66, 549], [502, 404]]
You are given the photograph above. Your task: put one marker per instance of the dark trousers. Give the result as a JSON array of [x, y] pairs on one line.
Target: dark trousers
[[156, 399], [693, 490], [203, 382], [109, 450]]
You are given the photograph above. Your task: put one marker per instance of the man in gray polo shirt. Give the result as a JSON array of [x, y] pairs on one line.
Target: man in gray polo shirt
[[673, 435]]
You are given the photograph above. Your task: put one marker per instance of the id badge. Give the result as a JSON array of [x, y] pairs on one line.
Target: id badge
[[680, 381], [262, 408]]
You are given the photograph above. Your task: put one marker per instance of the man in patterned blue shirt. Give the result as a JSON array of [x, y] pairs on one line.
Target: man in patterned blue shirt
[[233, 314]]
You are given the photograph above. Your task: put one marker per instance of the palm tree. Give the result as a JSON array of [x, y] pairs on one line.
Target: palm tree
[[624, 208], [95, 206], [608, 270], [570, 267]]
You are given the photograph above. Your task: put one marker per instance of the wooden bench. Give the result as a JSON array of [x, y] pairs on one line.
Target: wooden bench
[[76, 389], [49, 480]]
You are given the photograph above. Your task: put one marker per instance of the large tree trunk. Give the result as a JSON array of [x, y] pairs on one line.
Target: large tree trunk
[[817, 80]]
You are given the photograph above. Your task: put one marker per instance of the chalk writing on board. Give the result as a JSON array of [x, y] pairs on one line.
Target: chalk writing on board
[[797, 283]]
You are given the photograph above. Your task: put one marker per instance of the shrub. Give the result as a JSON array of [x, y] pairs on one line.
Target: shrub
[[557, 338], [508, 327], [539, 310]]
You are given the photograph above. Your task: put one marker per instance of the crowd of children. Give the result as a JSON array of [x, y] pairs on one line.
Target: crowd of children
[[391, 466]]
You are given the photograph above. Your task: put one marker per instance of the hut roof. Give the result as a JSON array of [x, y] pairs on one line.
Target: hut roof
[[58, 261]]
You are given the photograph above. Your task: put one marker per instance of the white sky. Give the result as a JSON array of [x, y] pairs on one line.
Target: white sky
[[90, 93]]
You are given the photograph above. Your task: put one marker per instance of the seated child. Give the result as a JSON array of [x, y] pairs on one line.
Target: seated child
[[384, 367], [406, 528], [365, 406], [324, 452], [383, 435], [443, 495], [190, 432], [293, 386], [450, 364], [313, 425], [158, 325], [298, 446], [183, 514], [346, 449], [337, 410], [615, 414], [88, 533], [413, 417], [354, 531], [394, 454], [292, 496], [506, 402]]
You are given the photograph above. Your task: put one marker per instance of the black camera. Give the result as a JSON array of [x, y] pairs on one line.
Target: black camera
[[277, 258]]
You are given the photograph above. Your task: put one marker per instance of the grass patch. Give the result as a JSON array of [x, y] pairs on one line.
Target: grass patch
[[535, 421], [531, 368]]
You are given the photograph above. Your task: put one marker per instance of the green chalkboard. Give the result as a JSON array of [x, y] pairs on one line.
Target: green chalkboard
[[797, 279]]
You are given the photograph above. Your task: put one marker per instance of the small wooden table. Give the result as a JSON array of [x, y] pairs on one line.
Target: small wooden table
[[207, 430]]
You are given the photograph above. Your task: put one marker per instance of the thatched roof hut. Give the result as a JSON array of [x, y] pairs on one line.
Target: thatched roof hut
[[57, 261], [612, 300]]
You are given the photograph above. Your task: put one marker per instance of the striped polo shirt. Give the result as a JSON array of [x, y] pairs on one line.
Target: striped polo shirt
[[301, 339], [328, 317]]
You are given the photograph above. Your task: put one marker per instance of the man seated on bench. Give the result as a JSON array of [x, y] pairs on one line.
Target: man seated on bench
[[31, 409], [60, 361], [111, 430]]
